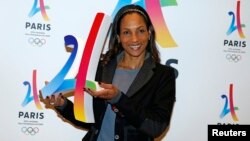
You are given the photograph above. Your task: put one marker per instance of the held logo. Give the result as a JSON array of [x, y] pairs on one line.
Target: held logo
[[229, 105], [153, 7], [236, 22], [78, 71], [39, 8]]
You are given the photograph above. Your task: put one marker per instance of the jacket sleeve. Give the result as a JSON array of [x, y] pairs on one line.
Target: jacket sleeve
[[67, 112]]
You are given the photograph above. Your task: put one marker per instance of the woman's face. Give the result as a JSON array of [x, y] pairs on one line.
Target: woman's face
[[134, 35]]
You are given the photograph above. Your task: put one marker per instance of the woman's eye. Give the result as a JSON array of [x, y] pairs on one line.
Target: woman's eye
[[141, 30], [125, 32]]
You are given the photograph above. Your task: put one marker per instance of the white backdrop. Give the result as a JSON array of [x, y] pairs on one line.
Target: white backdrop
[[208, 60]]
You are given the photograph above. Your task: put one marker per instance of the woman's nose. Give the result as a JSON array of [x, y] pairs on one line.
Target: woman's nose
[[134, 37]]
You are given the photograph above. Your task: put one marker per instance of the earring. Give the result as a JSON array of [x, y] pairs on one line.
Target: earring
[[149, 31], [118, 39]]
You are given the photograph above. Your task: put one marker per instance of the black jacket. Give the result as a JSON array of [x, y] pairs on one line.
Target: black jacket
[[143, 113]]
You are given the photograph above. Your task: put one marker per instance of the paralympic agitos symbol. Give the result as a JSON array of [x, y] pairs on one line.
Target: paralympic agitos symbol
[[74, 75]]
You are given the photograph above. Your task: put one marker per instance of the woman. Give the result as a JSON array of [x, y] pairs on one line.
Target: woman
[[138, 92]]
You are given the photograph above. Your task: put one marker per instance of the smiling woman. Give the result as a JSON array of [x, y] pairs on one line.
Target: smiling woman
[[138, 93], [134, 37]]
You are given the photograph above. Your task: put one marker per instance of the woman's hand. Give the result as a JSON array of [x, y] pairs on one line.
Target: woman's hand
[[108, 92], [53, 100]]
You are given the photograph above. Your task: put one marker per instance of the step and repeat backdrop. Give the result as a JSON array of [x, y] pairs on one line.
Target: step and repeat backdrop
[[206, 41]]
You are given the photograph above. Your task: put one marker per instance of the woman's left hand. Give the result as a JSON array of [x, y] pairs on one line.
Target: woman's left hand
[[108, 92]]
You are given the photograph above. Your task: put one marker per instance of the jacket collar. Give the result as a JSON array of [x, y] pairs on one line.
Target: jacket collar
[[141, 79]]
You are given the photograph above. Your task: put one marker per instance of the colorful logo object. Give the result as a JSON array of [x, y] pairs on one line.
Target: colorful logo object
[[238, 25], [153, 7], [42, 8], [229, 101], [28, 98], [78, 71]]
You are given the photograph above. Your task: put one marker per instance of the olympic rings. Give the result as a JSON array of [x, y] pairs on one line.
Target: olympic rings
[[233, 57], [36, 41], [30, 130]]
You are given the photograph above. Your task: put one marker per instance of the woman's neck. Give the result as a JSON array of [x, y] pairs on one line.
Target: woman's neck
[[128, 62]]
